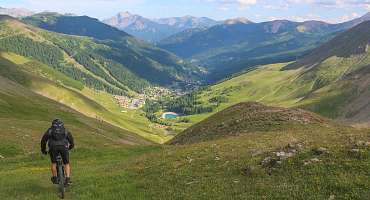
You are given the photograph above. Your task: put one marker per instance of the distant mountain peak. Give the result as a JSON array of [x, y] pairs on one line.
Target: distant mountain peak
[[154, 30], [125, 14], [15, 12], [239, 20]]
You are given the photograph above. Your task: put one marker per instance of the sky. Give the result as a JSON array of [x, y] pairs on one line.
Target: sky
[[332, 11]]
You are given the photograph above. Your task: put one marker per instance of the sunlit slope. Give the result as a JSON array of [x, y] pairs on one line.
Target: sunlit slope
[[340, 70], [246, 118], [25, 116], [266, 84], [99, 105]]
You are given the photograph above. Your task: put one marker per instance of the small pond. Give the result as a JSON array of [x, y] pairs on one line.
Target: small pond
[[169, 115]]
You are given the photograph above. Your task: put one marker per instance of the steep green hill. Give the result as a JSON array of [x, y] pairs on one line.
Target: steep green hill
[[43, 80], [25, 115], [340, 73], [76, 57], [146, 61]]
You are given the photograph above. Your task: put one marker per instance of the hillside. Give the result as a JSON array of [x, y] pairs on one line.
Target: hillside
[[332, 81], [145, 61], [244, 118], [340, 69], [154, 30], [77, 57], [25, 115], [230, 48], [47, 82]]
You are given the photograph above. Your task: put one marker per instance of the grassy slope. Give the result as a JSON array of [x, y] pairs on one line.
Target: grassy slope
[[54, 85], [24, 117], [267, 84], [208, 170], [295, 88], [244, 118]]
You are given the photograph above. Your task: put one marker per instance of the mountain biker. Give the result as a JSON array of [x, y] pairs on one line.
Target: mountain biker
[[60, 141]]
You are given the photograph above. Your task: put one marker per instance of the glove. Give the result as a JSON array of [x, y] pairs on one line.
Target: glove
[[43, 151]]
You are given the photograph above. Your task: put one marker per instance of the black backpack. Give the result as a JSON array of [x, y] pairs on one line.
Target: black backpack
[[58, 133]]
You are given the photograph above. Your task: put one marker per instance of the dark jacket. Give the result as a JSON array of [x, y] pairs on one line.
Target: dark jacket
[[47, 139]]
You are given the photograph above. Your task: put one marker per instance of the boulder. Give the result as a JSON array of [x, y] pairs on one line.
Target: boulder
[[315, 160], [248, 171], [355, 151], [367, 144], [320, 151], [269, 162]]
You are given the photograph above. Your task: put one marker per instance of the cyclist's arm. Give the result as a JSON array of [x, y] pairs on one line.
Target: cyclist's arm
[[44, 141], [70, 140]]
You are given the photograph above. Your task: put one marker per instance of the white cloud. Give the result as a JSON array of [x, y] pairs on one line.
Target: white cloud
[[334, 3], [247, 2], [241, 3]]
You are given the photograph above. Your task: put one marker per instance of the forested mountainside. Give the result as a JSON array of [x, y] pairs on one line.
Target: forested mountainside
[[155, 65]]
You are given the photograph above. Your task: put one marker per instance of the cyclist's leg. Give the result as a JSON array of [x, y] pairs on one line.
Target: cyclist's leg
[[53, 160], [53, 167], [65, 156], [67, 166], [67, 169]]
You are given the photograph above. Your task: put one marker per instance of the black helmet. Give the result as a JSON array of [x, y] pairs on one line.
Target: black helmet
[[57, 123]]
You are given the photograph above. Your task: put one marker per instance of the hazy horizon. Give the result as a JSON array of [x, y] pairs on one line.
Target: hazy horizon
[[332, 11]]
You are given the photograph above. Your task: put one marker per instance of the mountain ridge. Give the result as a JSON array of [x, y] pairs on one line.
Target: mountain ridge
[[226, 49], [154, 30]]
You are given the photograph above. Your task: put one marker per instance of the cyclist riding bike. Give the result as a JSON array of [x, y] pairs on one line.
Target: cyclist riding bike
[[60, 141]]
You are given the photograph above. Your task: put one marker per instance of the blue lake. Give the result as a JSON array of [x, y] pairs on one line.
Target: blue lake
[[170, 116]]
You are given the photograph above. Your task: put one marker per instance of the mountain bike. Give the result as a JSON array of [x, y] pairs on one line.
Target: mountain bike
[[61, 176]]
